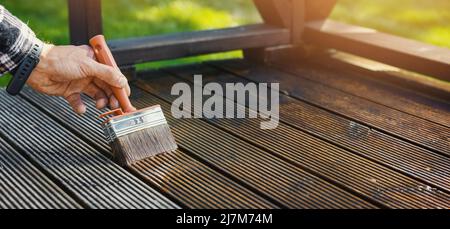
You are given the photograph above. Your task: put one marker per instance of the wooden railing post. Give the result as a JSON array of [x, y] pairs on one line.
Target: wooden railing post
[[273, 12], [298, 20], [292, 14], [319, 9], [85, 20]]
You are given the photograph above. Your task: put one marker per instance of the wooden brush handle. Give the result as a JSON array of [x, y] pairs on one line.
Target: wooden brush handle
[[104, 56]]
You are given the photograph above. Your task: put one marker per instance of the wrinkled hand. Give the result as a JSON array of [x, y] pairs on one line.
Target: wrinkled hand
[[68, 71]]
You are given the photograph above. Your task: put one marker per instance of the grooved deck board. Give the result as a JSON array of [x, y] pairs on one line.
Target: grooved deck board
[[337, 146], [417, 162], [179, 175], [23, 186], [274, 179], [347, 170], [408, 127], [89, 176], [286, 184], [388, 95]]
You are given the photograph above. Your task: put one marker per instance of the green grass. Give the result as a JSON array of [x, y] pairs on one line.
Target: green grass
[[423, 20], [126, 18]]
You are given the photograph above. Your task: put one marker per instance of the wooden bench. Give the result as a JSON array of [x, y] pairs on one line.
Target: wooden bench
[[350, 135]]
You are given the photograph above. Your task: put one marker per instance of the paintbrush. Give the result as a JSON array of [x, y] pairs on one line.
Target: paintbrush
[[135, 135]]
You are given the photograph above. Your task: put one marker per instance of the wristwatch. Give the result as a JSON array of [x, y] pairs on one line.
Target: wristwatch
[[24, 70]]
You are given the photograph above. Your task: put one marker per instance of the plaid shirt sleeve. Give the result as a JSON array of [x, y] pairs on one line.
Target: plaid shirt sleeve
[[16, 41]]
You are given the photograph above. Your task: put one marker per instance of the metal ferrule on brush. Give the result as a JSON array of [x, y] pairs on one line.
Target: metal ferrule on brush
[[119, 126]]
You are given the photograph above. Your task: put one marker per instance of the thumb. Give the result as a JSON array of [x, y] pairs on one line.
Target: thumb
[[107, 74]]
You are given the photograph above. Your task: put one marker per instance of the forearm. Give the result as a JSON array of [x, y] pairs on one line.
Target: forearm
[[16, 41]]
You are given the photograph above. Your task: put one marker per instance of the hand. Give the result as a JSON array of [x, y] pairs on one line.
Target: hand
[[68, 71]]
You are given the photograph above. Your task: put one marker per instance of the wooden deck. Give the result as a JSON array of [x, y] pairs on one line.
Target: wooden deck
[[345, 140]]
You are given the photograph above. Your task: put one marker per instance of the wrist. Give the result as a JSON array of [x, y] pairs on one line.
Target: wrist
[[25, 68], [45, 51], [44, 56]]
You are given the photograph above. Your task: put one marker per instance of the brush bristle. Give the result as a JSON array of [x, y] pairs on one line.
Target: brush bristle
[[130, 148]]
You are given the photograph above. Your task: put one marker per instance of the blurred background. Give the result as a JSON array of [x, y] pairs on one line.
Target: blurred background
[[424, 20]]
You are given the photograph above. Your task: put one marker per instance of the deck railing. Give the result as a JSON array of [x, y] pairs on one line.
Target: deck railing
[[289, 23]]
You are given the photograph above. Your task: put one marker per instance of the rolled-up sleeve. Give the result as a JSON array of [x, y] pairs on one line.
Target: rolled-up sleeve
[[16, 41]]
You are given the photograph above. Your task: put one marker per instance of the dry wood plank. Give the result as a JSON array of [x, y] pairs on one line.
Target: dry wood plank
[[91, 178], [347, 170], [427, 134], [178, 175]]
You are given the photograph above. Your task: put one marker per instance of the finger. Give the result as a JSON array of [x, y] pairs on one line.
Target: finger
[[107, 88], [101, 100], [76, 103], [107, 74], [128, 90], [113, 102], [90, 52]]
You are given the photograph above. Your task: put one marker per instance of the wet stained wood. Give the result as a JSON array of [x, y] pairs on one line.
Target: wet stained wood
[[177, 175], [266, 174], [272, 177], [316, 158], [389, 95], [365, 69], [343, 141], [319, 157], [405, 126], [412, 160]]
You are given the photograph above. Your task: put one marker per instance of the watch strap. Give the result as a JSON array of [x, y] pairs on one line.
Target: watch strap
[[24, 70]]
